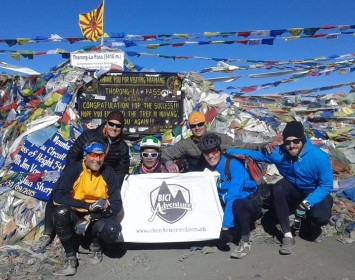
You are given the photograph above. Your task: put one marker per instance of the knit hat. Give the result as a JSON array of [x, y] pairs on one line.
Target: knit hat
[[116, 116], [294, 129], [196, 117]]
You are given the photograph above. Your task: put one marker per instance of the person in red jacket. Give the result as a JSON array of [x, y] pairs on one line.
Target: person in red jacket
[[150, 157]]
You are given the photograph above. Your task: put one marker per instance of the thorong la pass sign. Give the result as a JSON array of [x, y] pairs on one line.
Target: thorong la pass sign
[[164, 207]]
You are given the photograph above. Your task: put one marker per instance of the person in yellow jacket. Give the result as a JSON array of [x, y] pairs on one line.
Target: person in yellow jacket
[[87, 199]]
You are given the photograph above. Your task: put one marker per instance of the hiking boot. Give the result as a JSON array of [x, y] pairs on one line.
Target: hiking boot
[[96, 253], [287, 245], [69, 267], [42, 242], [323, 234], [242, 250], [96, 257], [120, 238]]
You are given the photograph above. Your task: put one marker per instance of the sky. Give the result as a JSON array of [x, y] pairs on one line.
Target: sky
[[32, 18]]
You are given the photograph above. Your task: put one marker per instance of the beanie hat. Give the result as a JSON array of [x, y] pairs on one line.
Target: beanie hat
[[196, 117], [294, 129], [116, 116]]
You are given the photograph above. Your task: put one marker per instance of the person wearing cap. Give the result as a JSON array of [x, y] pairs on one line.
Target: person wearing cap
[[87, 200], [236, 192], [150, 157], [187, 149], [117, 156], [305, 187]]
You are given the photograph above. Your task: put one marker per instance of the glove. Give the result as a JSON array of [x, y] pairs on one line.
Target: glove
[[172, 167], [225, 237], [107, 212], [302, 209], [81, 226], [98, 205]]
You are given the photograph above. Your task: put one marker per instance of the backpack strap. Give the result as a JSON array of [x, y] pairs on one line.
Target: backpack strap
[[227, 169]]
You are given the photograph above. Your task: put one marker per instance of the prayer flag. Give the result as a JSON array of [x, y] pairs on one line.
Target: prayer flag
[[91, 24]]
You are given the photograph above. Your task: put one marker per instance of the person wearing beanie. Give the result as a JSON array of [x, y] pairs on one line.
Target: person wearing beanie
[[84, 206], [117, 156], [304, 189], [187, 149], [110, 132]]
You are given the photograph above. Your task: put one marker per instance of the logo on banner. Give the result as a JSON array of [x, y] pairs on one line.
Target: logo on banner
[[170, 202]]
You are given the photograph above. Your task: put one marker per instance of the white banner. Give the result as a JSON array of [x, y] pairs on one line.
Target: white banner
[[167, 207], [97, 60]]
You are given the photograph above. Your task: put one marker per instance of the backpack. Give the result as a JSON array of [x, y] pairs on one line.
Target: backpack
[[255, 173]]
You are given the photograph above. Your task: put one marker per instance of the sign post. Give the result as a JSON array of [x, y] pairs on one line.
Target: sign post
[[150, 102]]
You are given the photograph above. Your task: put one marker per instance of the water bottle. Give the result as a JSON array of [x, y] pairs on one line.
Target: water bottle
[[297, 223]]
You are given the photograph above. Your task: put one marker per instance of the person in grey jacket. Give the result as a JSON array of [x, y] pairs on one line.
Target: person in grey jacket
[[187, 149]]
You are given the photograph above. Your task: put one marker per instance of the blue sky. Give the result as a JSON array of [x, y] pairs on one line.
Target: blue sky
[[31, 18]]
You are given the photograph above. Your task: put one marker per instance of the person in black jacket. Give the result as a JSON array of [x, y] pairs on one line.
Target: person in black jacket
[[87, 199], [110, 132], [117, 156]]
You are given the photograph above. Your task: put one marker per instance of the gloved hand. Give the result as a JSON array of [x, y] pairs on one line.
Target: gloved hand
[[98, 205], [302, 209], [107, 212], [172, 167], [225, 238], [81, 226]]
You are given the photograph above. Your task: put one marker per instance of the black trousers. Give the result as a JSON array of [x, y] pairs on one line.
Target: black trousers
[[65, 219], [286, 197], [245, 212]]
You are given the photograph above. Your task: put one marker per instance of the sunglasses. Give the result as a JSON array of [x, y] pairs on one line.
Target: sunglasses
[[95, 155], [213, 152], [294, 141], [118, 125], [151, 155], [197, 125]]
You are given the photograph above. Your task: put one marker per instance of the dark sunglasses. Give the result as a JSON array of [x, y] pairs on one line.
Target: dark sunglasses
[[198, 124], [152, 155], [118, 125], [294, 141]]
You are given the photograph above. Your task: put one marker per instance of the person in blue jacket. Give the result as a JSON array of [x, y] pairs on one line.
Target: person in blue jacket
[[235, 193], [305, 187]]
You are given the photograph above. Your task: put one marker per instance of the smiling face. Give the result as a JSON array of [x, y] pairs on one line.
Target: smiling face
[[199, 129], [293, 145], [150, 157], [113, 128], [212, 157], [94, 161]]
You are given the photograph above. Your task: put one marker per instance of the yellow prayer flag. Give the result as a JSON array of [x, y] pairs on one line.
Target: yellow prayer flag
[[91, 24]]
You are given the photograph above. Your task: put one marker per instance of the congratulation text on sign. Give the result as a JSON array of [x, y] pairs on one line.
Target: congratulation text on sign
[[150, 102]]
